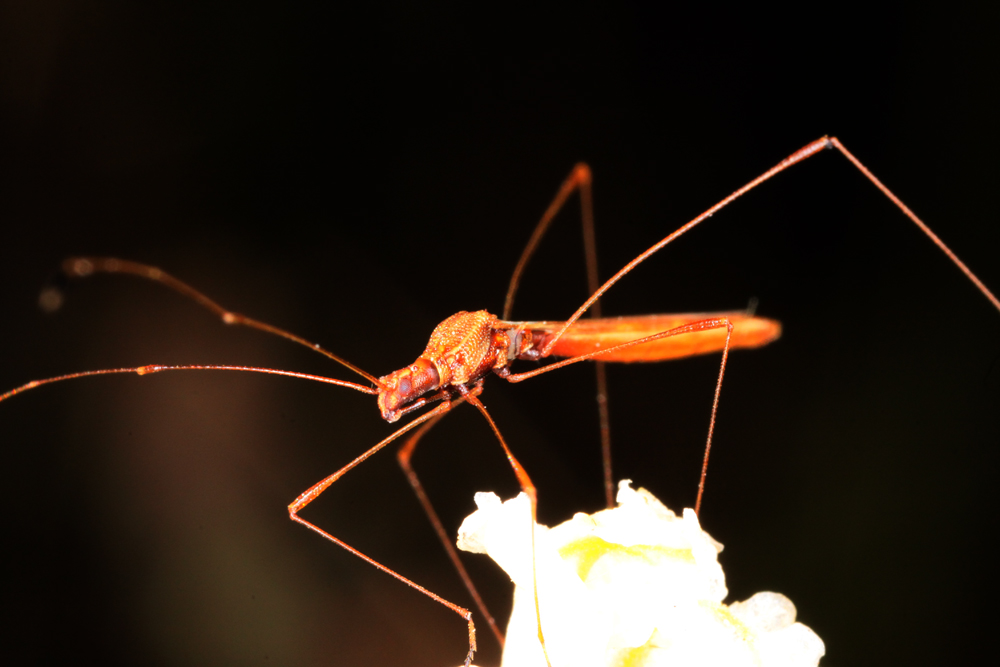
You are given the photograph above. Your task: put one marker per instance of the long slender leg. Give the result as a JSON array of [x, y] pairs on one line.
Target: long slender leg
[[917, 221], [579, 179], [404, 455], [605, 426], [590, 251], [81, 267], [702, 325], [711, 423], [793, 159], [528, 487], [314, 491]]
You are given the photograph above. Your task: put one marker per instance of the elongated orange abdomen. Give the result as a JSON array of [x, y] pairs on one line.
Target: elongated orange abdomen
[[589, 335]]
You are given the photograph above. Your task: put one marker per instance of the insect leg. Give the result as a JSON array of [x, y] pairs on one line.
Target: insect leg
[[579, 179], [314, 492], [528, 487], [404, 455], [712, 323], [917, 221], [798, 156]]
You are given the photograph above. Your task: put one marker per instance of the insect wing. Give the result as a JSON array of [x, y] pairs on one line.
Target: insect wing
[[589, 335]]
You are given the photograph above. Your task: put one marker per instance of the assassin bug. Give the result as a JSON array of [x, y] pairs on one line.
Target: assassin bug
[[469, 345]]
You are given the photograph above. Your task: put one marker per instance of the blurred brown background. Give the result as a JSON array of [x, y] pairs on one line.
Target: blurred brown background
[[356, 176]]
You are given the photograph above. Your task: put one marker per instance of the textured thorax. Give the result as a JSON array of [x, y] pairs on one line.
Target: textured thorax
[[464, 347]]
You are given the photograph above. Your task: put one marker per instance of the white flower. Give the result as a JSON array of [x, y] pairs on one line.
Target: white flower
[[634, 586]]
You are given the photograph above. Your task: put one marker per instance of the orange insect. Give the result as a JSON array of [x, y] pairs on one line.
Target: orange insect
[[467, 346]]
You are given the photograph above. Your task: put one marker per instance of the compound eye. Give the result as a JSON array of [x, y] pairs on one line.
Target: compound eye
[[404, 386]]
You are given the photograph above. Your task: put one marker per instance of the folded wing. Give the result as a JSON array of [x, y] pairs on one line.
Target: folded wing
[[590, 335]]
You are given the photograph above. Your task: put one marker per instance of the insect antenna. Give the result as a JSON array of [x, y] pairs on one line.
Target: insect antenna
[[52, 296], [146, 370], [82, 267]]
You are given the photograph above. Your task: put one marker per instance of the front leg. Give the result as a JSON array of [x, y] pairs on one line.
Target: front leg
[[314, 492], [404, 456]]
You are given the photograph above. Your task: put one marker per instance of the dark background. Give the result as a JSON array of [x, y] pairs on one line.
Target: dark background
[[356, 177]]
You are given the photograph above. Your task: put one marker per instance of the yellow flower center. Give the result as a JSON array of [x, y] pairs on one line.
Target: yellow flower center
[[588, 550]]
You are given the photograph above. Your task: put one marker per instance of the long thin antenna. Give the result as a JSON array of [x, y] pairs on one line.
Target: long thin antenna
[[146, 370], [82, 267]]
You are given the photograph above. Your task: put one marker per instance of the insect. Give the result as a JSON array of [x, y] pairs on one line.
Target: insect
[[404, 390]]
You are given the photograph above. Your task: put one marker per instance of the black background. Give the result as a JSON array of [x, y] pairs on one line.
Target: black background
[[358, 176]]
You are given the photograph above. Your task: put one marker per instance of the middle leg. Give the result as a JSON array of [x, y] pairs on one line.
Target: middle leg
[[404, 455]]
